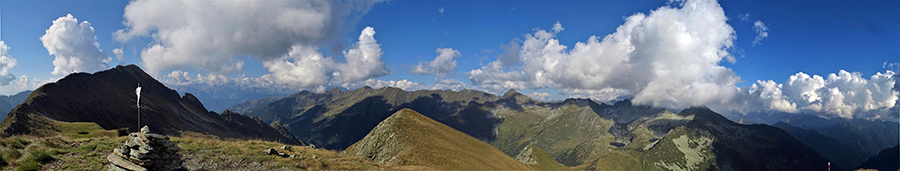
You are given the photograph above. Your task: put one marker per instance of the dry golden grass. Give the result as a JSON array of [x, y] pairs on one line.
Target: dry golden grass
[[203, 150], [428, 143]]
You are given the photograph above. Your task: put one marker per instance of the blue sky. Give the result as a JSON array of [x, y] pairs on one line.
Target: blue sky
[[812, 37]]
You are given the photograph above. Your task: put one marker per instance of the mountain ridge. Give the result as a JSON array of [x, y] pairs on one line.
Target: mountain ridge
[[408, 138], [575, 132], [108, 99]]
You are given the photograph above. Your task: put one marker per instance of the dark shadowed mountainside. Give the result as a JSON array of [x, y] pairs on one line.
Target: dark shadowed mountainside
[[886, 160], [870, 136], [838, 152], [108, 98]]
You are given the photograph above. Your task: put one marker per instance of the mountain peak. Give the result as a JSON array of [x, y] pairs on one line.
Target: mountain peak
[[365, 88], [510, 93], [334, 91], [623, 102], [108, 99], [410, 138]]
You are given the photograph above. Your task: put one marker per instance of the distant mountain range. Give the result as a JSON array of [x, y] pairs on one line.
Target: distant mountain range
[[579, 133], [8, 102], [108, 98], [220, 97], [848, 142]]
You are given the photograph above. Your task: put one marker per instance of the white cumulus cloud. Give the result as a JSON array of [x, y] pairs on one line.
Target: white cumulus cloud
[[671, 58], [668, 58], [451, 84], [306, 68], [7, 62], [120, 55], [843, 94], [442, 64], [762, 32], [24, 83], [75, 47], [402, 84], [213, 35], [539, 96], [179, 77]]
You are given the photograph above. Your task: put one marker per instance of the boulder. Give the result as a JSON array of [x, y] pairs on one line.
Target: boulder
[[270, 151]]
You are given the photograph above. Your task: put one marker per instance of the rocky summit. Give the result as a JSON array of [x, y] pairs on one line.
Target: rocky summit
[[146, 151]]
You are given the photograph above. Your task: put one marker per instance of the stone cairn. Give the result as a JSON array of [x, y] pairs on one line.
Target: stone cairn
[[146, 151]]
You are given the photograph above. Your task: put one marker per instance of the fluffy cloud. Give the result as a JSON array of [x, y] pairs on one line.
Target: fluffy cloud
[[306, 68], [6, 63], [539, 96], [845, 94], [402, 84], [439, 84], [179, 77], [443, 64], [119, 55], [669, 58], [451, 84], [75, 47], [24, 83], [441, 10], [762, 32], [212, 35], [8, 82]]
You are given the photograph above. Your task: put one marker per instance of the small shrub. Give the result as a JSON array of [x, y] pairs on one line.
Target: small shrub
[[17, 142], [29, 166], [9, 153], [3, 163], [39, 156], [123, 131]]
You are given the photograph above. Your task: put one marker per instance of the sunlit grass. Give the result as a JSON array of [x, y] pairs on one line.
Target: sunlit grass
[[72, 149]]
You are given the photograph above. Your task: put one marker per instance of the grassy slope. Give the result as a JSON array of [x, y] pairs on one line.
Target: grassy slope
[[84, 146], [425, 142], [571, 133]]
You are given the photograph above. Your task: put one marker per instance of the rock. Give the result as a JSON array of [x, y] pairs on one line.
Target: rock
[[270, 151], [123, 163], [146, 151], [293, 156], [145, 130], [286, 147], [526, 156]]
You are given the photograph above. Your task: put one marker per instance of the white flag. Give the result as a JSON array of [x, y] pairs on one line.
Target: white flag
[[138, 92]]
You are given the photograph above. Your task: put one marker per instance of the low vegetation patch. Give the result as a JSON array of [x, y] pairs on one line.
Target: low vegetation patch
[[73, 149]]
